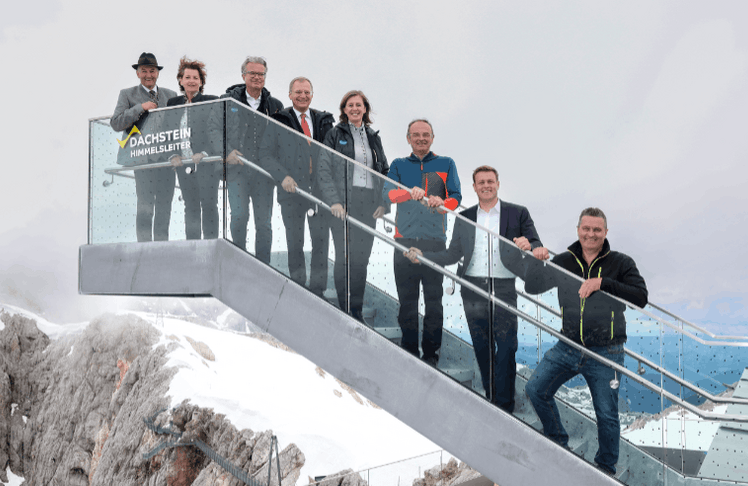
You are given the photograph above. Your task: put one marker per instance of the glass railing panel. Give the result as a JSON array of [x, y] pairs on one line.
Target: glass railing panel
[[258, 147], [145, 183]]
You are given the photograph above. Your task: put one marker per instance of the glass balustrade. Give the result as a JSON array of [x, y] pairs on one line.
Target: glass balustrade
[[160, 179], [309, 212]]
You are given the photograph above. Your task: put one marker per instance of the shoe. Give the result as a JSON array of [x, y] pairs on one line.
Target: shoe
[[432, 360], [358, 314], [606, 469]]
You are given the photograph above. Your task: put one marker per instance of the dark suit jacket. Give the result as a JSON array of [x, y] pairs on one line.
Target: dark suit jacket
[[515, 221], [284, 153], [206, 123]]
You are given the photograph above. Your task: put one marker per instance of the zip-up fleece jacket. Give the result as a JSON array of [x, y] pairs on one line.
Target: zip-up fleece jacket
[[331, 177], [597, 320], [437, 175]]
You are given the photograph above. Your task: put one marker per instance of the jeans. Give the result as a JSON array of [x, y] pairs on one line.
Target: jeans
[[477, 313], [245, 183], [408, 279], [560, 364]]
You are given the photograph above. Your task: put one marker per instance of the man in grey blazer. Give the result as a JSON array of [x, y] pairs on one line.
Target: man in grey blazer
[[154, 187]]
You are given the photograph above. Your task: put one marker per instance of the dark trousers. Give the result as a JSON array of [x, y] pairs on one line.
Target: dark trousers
[[294, 212], [154, 189], [200, 194], [245, 184], [477, 313], [353, 249], [408, 279]]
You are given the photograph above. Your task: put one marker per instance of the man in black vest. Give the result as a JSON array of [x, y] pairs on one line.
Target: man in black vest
[[292, 160]]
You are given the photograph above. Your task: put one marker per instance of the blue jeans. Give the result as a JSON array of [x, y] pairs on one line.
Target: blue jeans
[[562, 363]]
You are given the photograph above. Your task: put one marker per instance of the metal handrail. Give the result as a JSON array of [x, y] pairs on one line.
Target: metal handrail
[[649, 363], [622, 370], [676, 317], [488, 231], [457, 214]]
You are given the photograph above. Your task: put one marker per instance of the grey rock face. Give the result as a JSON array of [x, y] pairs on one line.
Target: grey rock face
[[72, 411], [450, 474]]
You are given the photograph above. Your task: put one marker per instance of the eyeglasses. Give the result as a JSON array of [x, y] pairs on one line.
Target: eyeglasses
[[254, 74]]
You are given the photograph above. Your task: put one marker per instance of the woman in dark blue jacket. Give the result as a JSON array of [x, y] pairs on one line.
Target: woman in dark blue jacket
[[199, 186], [356, 190]]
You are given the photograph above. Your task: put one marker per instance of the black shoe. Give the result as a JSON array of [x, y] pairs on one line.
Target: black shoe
[[606, 470], [358, 314], [432, 360]]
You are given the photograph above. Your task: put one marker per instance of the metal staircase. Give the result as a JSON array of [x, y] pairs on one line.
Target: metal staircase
[[446, 404]]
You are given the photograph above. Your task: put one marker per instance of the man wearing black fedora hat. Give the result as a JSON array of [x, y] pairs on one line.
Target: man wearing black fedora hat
[[154, 187]]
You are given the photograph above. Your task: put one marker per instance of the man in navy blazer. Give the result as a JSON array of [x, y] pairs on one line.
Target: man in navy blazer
[[514, 223], [154, 188], [292, 159]]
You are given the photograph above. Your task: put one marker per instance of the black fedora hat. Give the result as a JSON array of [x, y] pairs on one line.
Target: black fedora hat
[[147, 59]]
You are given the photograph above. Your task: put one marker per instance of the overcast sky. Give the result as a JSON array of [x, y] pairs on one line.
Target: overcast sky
[[639, 108]]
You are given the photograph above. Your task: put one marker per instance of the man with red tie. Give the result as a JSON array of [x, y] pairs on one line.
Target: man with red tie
[[292, 161]]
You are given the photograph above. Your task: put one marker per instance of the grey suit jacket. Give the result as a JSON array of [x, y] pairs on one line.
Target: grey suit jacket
[[128, 109]]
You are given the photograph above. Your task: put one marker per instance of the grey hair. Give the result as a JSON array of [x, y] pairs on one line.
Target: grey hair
[[299, 78], [254, 60], [420, 120], [594, 213]]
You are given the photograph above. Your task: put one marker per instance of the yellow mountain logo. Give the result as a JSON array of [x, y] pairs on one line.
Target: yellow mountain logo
[[123, 142]]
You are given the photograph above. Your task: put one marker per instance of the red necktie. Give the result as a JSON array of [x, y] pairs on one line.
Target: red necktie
[[305, 126], [308, 133]]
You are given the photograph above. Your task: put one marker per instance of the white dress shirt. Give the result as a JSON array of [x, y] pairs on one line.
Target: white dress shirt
[[253, 103], [478, 266], [308, 121]]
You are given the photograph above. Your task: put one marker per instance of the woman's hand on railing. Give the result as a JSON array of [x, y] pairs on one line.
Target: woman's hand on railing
[[379, 212], [176, 160], [338, 211], [196, 158], [541, 253]]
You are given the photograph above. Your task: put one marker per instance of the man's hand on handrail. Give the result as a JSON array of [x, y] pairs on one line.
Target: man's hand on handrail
[[541, 252], [233, 158], [417, 193], [413, 254], [338, 211], [289, 185]]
